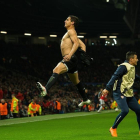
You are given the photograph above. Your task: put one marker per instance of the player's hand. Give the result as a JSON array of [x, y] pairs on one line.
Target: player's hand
[[67, 57], [104, 92]]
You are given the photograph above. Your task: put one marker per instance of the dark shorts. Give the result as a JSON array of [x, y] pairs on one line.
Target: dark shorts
[[72, 64]]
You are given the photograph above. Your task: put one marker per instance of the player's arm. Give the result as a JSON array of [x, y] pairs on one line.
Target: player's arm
[[82, 45], [121, 70], [75, 40], [73, 36]]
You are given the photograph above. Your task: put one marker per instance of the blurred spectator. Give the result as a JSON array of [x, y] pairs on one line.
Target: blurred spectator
[[3, 109], [96, 101], [1, 93], [23, 111], [9, 108], [57, 106], [20, 96], [38, 110], [14, 106], [139, 101], [32, 108]]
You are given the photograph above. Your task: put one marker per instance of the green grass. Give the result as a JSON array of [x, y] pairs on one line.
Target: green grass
[[92, 126]]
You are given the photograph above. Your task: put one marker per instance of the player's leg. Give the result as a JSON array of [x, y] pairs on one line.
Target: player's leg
[[59, 69], [95, 104], [32, 114], [81, 89], [74, 78], [107, 104], [122, 103], [133, 105], [101, 105]]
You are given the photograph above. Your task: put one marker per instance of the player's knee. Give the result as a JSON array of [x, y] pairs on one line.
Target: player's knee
[[76, 81], [126, 111], [56, 70]]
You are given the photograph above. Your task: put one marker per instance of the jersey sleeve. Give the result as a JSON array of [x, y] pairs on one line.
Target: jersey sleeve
[[121, 70]]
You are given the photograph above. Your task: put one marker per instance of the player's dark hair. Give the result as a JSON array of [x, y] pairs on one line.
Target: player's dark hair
[[75, 20], [129, 55]]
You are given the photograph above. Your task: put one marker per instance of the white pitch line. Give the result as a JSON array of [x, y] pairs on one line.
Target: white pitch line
[[49, 117]]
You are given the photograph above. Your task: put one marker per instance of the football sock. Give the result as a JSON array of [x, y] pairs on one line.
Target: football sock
[[52, 81], [81, 90]]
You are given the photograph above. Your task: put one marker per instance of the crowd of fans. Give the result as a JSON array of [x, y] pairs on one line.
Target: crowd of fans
[[21, 66]]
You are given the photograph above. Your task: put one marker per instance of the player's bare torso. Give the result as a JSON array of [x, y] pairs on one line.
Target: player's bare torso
[[66, 44]]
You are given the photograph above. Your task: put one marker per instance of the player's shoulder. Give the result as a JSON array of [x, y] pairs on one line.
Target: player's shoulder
[[72, 32]]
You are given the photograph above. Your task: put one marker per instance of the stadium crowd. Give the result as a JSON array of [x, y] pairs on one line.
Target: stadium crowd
[[21, 66]]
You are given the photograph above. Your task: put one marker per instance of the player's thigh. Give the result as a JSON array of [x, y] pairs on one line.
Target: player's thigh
[[60, 68], [102, 102], [121, 101], [74, 78], [133, 104]]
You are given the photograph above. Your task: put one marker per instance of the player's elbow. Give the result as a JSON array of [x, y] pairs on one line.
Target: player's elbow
[[83, 47], [76, 44]]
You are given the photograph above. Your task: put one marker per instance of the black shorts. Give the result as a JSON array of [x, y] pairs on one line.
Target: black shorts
[[72, 64]]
